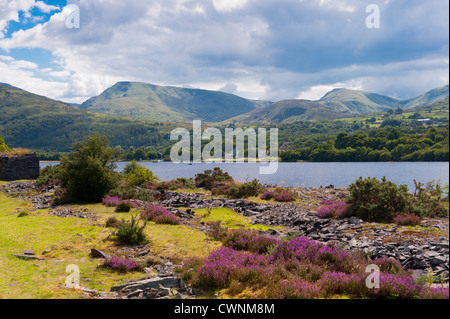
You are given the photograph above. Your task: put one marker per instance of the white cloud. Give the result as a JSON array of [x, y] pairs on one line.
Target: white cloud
[[228, 5], [257, 49]]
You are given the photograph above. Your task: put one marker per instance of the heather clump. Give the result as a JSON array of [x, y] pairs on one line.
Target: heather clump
[[407, 219], [159, 215], [398, 287], [333, 210], [123, 207], [337, 283], [111, 201], [121, 265], [299, 268], [267, 195], [389, 265], [242, 239], [293, 288]]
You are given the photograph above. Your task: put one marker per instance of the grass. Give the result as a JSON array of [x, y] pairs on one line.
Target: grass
[[69, 241], [230, 219]]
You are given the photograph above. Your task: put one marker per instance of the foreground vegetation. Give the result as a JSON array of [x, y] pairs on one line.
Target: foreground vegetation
[[232, 256]]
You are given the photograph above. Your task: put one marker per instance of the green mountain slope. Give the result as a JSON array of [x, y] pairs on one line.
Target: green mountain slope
[[168, 104], [337, 103], [433, 96], [32, 121]]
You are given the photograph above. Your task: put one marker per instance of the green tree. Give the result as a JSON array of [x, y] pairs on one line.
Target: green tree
[[88, 173], [138, 175], [3, 146]]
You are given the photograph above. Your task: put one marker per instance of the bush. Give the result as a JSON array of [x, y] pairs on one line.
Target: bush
[[427, 200], [137, 175], [130, 233], [377, 201], [159, 215], [49, 175], [111, 201], [267, 195], [245, 190], [294, 288], [123, 207], [112, 222], [389, 265], [209, 178], [340, 283], [243, 239], [393, 286], [284, 197], [88, 172], [121, 265], [333, 210], [3, 146]]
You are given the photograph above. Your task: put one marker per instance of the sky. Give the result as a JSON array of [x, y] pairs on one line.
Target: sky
[[259, 49]]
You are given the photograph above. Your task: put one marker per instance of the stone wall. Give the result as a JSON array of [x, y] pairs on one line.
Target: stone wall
[[19, 167]]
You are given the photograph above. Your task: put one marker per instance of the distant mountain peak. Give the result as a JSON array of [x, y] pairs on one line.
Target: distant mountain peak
[[169, 103]]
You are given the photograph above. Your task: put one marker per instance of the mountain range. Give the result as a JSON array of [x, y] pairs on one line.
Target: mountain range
[[174, 104], [337, 103], [136, 114], [169, 104]]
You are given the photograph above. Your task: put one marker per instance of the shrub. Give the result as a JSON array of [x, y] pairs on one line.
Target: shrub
[[123, 207], [245, 190], [242, 239], [389, 265], [111, 201], [341, 283], [137, 175], [267, 195], [121, 265], [217, 231], [435, 293], [334, 210], [284, 197], [150, 212], [209, 178], [130, 233], [220, 189], [377, 201], [159, 215], [88, 172], [407, 219], [294, 288], [398, 287], [62, 197], [225, 264], [49, 176], [112, 222], [3, 146], [427, 201]]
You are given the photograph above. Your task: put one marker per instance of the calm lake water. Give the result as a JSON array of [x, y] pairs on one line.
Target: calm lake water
[[309, 174]]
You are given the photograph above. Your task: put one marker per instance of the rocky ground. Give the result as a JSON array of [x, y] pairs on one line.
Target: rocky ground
[[420, 249]]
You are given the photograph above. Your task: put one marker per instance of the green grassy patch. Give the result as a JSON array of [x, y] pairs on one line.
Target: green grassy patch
[[229, 219]]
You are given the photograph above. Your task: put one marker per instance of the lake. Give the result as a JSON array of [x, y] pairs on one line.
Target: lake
[[310, 174]]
